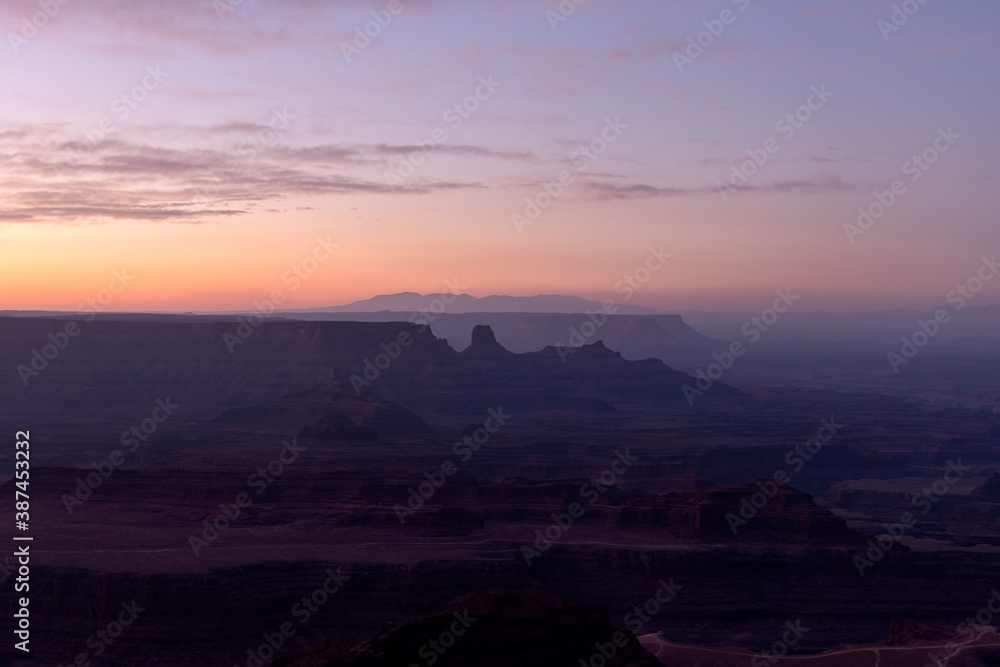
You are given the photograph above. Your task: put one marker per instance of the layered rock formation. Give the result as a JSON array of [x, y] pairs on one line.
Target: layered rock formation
[[989, 489], [375, 429], [753, 511]]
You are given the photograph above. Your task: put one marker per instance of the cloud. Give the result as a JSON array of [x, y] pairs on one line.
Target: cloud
[[112, 212], [140, 28], [805, 185], [611, 191], [52, 178]]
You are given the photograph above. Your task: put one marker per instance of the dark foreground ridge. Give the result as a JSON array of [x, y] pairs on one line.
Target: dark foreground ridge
[[498, 628]]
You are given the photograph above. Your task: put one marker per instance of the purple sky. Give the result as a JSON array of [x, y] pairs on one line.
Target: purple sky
[[186, 186]]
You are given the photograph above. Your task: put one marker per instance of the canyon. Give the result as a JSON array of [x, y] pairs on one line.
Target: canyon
[[556, 489]]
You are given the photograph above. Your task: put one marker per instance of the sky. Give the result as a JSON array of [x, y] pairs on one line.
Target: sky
[[217, 153]]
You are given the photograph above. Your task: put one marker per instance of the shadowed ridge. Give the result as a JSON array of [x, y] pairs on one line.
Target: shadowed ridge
[[494, 629]]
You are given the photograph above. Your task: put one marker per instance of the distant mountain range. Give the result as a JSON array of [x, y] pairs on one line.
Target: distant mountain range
[[409, 302], [695, 328]]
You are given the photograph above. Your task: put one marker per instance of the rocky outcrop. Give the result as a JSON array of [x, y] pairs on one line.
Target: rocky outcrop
[[760, 511], [114, 369], [664, 337], [969, 518], [988, 490], [332, 411], [337, 426], [484, 343], [904, 632]]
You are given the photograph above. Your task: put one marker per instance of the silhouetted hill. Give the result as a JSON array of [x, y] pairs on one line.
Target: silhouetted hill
[[464, 303], [498, 628]]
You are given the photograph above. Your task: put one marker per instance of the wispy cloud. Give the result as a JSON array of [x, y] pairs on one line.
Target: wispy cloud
[[611, 191], [52, 178], [139, 28]]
